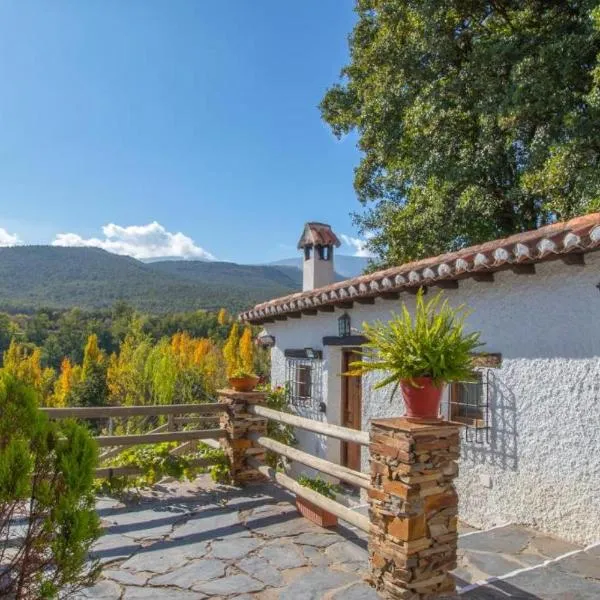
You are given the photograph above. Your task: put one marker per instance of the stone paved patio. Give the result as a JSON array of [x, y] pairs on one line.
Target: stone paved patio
[[194, 541]]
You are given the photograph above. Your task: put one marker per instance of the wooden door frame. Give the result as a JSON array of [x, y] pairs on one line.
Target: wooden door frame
[[345, 359]]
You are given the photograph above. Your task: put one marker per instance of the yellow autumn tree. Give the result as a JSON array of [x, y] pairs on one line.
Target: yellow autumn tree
[[231, 352], [67, 378], [247, 352], [92, 357], [126, 376], [222, 317], [24, 364]]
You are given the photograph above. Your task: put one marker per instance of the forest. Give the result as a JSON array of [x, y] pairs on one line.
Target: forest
[[119, 356]]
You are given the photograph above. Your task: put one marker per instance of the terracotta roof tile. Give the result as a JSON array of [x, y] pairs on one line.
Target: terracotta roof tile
[[577, 236], [318, 234]]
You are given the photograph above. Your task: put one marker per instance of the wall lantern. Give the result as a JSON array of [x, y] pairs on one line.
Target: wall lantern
[[265, 340], [344, 325]]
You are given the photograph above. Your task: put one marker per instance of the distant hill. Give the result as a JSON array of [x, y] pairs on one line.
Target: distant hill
[[345, 266], [36, 276]]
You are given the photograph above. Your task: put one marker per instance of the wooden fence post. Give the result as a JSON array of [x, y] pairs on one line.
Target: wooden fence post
[[413, 508], [239, 424]]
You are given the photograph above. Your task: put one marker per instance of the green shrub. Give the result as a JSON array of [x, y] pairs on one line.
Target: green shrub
[[433, 344], [277, 400], [47, 511], [157, 462], [319, 485]]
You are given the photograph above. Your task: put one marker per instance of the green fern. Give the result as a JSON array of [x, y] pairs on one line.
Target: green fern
[[433, 344]]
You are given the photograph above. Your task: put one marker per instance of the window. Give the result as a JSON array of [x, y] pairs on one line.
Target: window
[[304, 378], [468, 404]]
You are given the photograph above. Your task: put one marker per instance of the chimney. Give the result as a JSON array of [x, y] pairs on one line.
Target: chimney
[[317, 242]]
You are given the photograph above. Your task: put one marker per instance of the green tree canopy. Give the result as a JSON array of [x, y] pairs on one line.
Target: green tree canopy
[[475, 119]]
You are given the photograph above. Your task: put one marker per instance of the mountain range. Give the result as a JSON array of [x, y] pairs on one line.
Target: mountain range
[[47, 276]]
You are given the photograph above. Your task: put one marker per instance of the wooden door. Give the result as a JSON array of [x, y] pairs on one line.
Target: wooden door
[[351, 410]]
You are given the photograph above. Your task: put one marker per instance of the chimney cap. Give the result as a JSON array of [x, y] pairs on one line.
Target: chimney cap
[[318, 234]]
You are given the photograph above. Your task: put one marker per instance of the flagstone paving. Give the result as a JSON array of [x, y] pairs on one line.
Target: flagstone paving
[[199, 540]]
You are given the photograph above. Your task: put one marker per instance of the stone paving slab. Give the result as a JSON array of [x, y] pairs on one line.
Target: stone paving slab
[[198, 540]]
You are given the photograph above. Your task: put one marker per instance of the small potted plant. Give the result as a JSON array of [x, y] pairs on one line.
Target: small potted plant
[[239, 359], [420, 354], [307, 509]]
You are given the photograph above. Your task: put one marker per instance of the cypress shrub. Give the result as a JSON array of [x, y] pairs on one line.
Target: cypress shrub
[[47, 513]]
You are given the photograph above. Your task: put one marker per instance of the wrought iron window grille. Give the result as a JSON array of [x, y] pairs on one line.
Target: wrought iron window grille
[[469, 404], [304, 382]]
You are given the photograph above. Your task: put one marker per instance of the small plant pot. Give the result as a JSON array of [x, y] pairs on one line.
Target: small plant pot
[[315, 514], [243, 384], [423, 402]]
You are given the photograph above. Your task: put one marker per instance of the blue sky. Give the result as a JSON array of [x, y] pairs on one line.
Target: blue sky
[[160, 117]]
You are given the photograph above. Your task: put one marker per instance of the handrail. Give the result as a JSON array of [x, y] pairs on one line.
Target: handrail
[[335, 431], [154, 438], [339, 510], [325, 466], [100, 412]]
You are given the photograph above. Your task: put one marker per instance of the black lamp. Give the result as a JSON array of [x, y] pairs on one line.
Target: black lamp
[[344, 325]]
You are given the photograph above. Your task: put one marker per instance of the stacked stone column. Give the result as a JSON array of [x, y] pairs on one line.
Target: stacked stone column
[[239, 424], [413, 508]]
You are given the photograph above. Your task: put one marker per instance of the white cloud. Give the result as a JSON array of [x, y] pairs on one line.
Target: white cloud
[[359, 246], [9, 239], [139, 241]]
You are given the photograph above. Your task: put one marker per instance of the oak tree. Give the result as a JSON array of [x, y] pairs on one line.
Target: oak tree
[[475, 119]]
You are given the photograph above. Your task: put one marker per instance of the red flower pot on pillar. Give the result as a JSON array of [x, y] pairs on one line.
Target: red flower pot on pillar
[[422, 398]]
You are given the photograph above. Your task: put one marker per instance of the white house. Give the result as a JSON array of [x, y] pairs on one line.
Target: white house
[[531, 450]]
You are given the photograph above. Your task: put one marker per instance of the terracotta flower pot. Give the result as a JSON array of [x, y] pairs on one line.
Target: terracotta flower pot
[[315, 514], [422, 402], [243, 384]]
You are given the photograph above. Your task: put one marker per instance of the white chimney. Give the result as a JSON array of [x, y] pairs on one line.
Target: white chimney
[[317, 242]]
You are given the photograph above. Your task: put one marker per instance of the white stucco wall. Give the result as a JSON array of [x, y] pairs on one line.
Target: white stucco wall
[[541, 466]]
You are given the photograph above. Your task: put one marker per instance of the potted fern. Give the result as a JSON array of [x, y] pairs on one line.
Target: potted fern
[[239, 359], [311, 511], [420, 354]]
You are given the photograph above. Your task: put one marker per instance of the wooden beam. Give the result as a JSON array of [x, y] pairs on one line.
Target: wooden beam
[[335, 431], [345, 304], [415, 290], [310, 311], [326, 308], [483, 277], [390, 295], [280, 318], [339, 510], [356, 478], [101, 412], [267, 321], [573, 259], [295, 315], [351, 340], [370, 300], [526, 269], [448, 284], [156, 438]]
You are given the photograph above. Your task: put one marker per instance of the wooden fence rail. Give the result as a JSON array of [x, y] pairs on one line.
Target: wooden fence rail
[[344, 473], [335, 431], [105, 412], [156, 438], [339, 510], [109, 472]]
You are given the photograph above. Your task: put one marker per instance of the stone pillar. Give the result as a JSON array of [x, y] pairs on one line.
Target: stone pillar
[[239, 423], [413, 508]]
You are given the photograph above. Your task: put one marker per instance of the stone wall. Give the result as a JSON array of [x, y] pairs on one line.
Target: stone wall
[[413, 508], [239, 423]]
